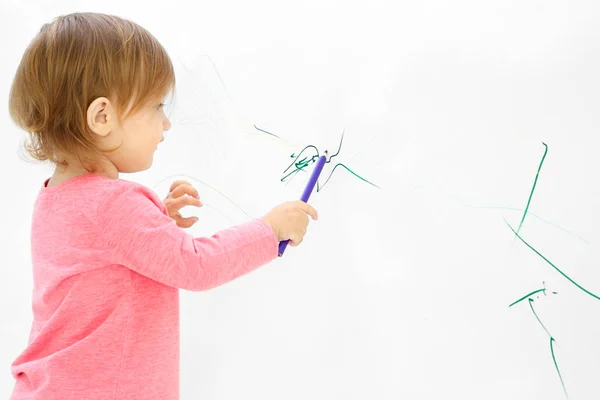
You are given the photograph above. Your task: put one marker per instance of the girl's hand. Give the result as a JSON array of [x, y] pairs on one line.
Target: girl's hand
[[290, 220], [182, 194]]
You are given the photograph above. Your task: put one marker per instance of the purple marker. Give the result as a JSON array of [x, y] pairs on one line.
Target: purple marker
[[307, 191]]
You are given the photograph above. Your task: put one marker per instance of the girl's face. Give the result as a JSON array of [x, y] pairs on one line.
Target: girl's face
[[141, 133]]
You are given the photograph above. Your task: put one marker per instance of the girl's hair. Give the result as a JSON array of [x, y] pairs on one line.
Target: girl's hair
[[72, 61]]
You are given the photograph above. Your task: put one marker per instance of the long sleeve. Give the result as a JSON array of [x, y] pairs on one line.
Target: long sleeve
[[108, 263], [138, 233]]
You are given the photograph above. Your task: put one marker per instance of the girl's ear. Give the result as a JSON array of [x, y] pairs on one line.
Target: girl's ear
[[100, 116]]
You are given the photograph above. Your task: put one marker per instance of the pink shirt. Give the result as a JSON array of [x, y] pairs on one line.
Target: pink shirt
[[108, 263]]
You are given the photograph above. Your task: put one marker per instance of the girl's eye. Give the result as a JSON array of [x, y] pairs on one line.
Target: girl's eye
[[160, 106]]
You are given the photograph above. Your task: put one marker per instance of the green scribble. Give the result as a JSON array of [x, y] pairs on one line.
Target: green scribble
[[533, 188], [526, 296], [552, 340], [218, 75], [538, 318], [542, 290], [339, 147], [268, 133], [551, 264], [348, 169], [437, 190], [301, 164], [342, 165], [556, 365]]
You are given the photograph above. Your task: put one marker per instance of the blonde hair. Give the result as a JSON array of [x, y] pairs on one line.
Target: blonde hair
[[72, 61]]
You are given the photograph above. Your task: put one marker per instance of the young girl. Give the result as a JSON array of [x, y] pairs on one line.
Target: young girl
[[108, 255]]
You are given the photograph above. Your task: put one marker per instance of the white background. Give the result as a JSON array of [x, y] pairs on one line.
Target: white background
[[398, 292]]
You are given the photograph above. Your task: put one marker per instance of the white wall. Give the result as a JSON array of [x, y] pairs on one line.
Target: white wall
[[398, 292]]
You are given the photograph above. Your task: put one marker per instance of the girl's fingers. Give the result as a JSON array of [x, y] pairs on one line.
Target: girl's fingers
[[176, 204], [183, 222], [186, 222], [182, 189]]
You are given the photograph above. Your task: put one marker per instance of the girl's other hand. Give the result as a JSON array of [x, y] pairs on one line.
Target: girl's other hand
[[182, 194]]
